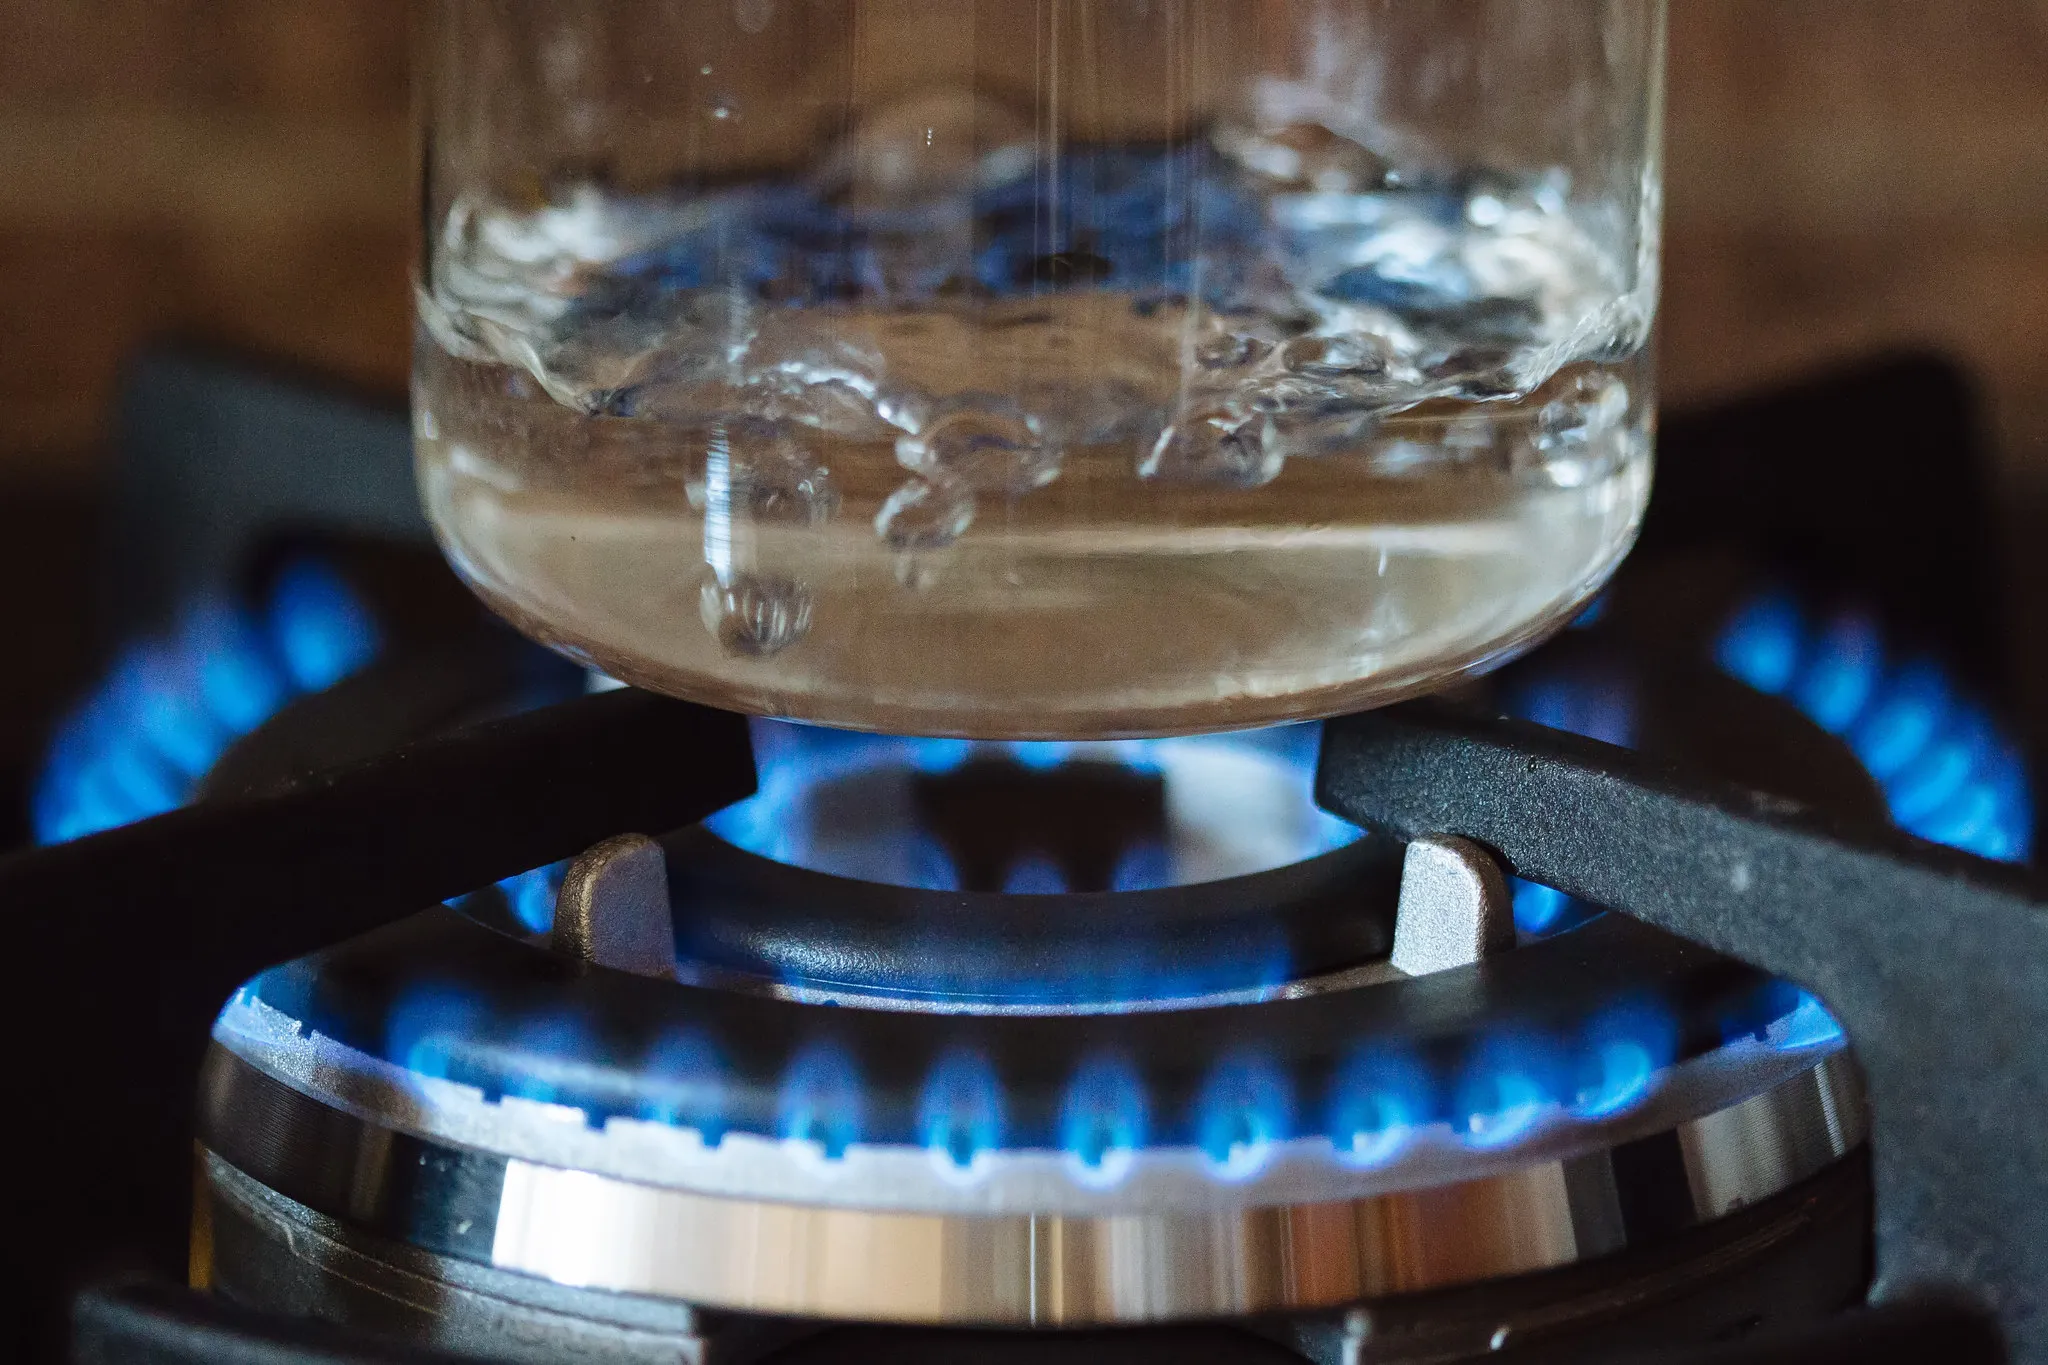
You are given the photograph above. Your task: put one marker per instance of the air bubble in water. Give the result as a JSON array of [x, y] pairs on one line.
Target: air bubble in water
[[786, 486], [1230, 351], [1305, 156], [755, 616], [984, 445], [1571, 439], [1340, 357], [922, 515], [1218, 447], [1591, 407]]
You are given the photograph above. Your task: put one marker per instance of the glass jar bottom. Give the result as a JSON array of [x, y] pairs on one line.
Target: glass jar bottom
[[778, 572]]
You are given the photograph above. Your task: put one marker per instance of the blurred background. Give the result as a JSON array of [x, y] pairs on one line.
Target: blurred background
[[1847, 176]]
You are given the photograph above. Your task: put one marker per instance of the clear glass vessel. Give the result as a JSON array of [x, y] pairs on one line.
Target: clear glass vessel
[[1039, 368]]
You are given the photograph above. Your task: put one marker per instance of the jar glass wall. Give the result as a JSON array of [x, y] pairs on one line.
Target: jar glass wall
[[1038, 368]]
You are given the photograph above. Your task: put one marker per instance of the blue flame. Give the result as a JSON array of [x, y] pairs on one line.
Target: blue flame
[[1235, 804], [823, 1101], [142, 741], [1507, 1090], [1593, 706], [552, 1048], [1035, 875], [1145, 866], [1847, 665], [1625, 1052], [1809, 1027], [1947, 772], [1104, 1119], [1377, 1101], [1761, 646], [933, 756], [531, 896], [320, 627], [1040, 755], [686, 1084], [1539, 909], [1245, 1107], [240, 681], [793, 761], [960, 1113], [429, 1027]]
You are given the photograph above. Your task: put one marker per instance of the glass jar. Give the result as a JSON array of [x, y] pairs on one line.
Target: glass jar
[[1069, 368]]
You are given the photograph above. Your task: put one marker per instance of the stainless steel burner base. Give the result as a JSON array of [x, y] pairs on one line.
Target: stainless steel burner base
[[1798, 1256], [1135, 1264]]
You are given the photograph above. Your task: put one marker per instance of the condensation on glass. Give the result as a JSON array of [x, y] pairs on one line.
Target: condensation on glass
[[1056, 368]]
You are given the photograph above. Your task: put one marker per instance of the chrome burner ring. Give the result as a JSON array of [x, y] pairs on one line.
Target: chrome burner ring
[[893, 1230]]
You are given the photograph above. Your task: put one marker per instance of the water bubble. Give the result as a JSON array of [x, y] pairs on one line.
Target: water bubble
[[1290, 395], [1305, 156], [1322, 309], [1341, 357], [1574, 437], [1473, 372], [724, 107], [902, 408], [755, 615], [922, 515], [981, 444], [1592, 406], [1486, 210], [1231, 351], [784, 485], [828, 383], [1216, 447], [1472, 437]]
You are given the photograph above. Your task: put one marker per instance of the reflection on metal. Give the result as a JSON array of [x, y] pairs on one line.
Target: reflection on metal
[[613, 909], [1141, 1258], [1455, 908]]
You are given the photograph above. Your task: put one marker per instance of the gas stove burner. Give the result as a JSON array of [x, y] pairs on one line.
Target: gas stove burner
[[613, 1132], [1034, 818], [1030, 878], [1075, 1107], [1033, 1036], [925, 1048], [1095, 1035]]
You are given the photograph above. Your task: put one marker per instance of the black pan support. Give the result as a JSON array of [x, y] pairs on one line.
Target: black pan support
[[1936, 963], [125, 944]]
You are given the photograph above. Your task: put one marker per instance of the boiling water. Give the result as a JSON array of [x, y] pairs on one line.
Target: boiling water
[[1144, 441]]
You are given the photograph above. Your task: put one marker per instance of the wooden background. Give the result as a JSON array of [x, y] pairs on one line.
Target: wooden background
[[1845, 173]]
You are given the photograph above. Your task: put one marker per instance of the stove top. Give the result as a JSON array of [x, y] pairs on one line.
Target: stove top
[[1489, 1027]]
